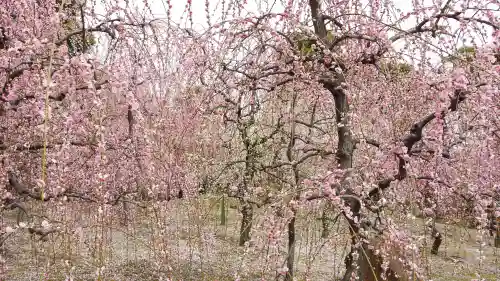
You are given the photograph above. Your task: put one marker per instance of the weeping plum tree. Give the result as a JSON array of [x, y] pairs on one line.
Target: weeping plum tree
[[343, 102], [77, 118], [402, 130]]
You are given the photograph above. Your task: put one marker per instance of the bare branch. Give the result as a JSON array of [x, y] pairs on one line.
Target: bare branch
[[42, 232], [4, 237], [33, 193], [334, 20], [40, 145], [100, 28], [368, 141]]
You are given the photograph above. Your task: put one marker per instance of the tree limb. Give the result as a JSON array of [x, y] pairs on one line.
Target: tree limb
[[412, 138], [42, 232]]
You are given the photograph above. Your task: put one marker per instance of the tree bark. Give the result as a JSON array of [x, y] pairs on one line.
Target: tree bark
[[496, 228], [325, 224], [345, 146], [246, 222], [295, 170], [438, 238], [291, 249], [345, 150], [223, 211]]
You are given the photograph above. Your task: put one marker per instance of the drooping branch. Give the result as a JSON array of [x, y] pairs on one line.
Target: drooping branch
[[40, 231], [12, 204], [492, 195], [446, 149], [308, 154], [420, 27]]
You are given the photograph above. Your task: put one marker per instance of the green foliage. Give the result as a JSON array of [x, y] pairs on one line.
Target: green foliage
[[78, 43], [306, 46], [464, 53], [330, 37], [394, 68], [466, 50]]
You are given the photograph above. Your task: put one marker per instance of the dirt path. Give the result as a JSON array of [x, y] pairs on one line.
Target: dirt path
[[207, 251]]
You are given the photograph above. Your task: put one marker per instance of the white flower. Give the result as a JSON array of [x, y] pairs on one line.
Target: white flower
[[45, 224], [40, 183]]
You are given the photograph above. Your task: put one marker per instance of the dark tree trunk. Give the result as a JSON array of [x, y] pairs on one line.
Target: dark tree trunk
[[493, 224], [291, 249], [438, 238], [345, 146], [246, 222], [345, 149], [496, 229], [291, 224]]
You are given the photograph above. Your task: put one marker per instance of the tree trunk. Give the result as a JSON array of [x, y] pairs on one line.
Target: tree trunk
[[345, 150], [291, 224], [125, 211], [497, 234], [223, 211], [369, 265], [246, 222], [325, 224], [438, 238], [291, 249], [345, 145]]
